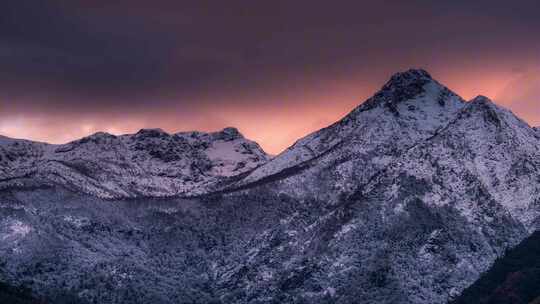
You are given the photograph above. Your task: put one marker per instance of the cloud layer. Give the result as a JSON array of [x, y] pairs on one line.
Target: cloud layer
[[275, 69]]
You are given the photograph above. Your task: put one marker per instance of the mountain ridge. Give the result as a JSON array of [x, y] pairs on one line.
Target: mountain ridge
[[150, 162], [408, 198]]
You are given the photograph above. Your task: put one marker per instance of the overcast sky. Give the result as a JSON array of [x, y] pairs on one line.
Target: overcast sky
[[276, 70]]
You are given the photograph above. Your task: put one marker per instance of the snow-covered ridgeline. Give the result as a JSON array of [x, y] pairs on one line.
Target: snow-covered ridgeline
[[148, 163]]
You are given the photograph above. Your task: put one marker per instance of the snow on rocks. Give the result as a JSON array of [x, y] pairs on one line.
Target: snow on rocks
[[148, 163]]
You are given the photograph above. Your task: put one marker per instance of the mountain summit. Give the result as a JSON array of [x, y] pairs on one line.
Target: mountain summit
[[407, 199], [405, 86], [409, 108]]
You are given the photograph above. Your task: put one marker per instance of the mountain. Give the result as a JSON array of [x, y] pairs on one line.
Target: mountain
[[407, 199], [149, 163], [409, 108], [513, 279]]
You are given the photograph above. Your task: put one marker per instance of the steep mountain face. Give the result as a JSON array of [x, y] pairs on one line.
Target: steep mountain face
[[148, 163], [513, 279], [405, 200], [419, 227], [409, 108], [486, 145]]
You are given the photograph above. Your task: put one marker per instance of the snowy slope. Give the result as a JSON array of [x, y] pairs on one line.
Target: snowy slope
[[412, 109], [488, 145], [148, 163], [409, 108], [430, 191]]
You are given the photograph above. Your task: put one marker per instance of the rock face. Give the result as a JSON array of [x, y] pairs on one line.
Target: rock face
[[407, 199], [150, 163]]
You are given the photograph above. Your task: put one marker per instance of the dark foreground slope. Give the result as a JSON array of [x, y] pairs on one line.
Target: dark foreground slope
[[513, 279], [10, 294], [16, 295]]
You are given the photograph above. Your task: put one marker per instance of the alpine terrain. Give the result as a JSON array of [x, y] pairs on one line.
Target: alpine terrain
[[407, 199]]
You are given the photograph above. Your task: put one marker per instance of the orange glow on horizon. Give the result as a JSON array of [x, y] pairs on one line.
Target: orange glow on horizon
[[275, 121]]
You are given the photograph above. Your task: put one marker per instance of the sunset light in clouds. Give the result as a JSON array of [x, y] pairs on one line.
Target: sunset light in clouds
[[276, 120], [276, 71]]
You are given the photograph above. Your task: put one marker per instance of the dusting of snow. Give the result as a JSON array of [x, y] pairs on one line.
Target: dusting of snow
[[16, 230], [414, 187], [148, 163], [345, 229], [76, 221]]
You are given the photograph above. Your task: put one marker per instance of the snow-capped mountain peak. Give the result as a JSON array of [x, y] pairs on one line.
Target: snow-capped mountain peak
[[410, 107], [488, 112], [406, 85], [486, 106], [402, 87]]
